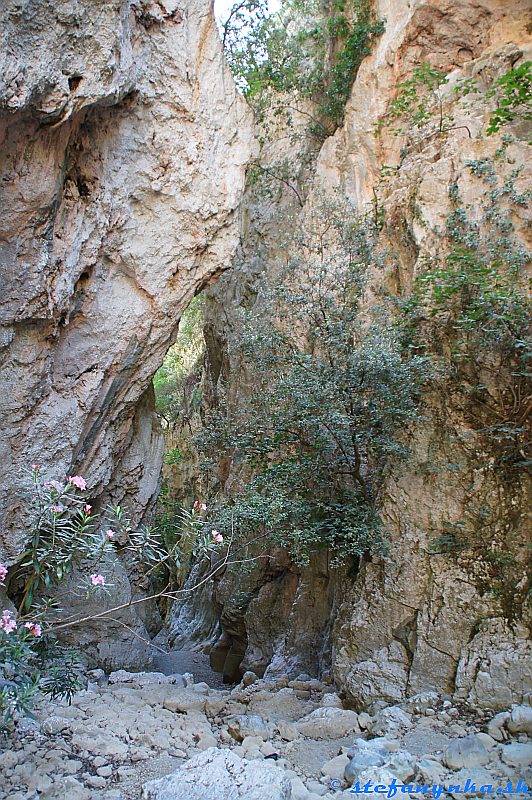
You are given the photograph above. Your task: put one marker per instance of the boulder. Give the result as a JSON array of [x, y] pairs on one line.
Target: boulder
[[328, 723], [517, 754], [391, 720], [248, 725], [220, 775], [520, 720], [469, 782], [496, 726], [335, 767], [466, 752], [360, 762], [402, 764], [430, 770]]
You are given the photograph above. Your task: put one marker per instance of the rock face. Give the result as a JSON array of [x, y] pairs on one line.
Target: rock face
[[417, 620], [123, 146], [222, 775], [123, 149]]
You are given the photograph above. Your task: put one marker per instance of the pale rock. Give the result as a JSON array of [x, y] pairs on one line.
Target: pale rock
[[96, 782], [144, 678], [328, 723], [335, 767], [123, 159], [101, 744], [359, 762], [497, 726], [201, 688], [430, 771], [517, 754], [377, 776], [364, 720], [287, 731], [67, 789], [317, 788], [206, 740], [422, 701], [54, 725], [487, 740], [466, 752], [221, 775], [520, 720], [248, 678], [495, 668], [402, 764], [470, 782], [248, 725], [391, 720], [298, 790], [331, 700]]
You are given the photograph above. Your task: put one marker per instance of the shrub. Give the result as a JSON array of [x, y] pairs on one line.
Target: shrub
[[331, 398], [63, 534]]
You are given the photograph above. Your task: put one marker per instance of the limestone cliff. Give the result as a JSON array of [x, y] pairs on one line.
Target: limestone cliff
[[418, 619], [123, 147]]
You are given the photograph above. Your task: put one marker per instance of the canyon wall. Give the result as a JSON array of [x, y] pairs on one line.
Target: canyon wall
[[418, 619], [123, 148]]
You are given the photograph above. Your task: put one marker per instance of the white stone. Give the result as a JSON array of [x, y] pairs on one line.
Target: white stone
[[220, 775], [328, 723], [467, 752]]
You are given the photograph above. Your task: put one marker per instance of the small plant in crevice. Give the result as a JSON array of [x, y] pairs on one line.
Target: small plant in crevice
[[513, 94], [472, 309], [485, 544], [332, 396], [423, 106]]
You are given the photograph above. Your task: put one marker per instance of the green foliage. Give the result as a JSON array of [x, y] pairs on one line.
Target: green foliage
[[513, 92], [418, 98], [180, 361], [420, 103], [472, 303], [307, 52], [63, 532], [331, 398]]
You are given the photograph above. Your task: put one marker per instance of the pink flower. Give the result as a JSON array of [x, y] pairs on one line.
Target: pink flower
[[217, 536], [34, 466], [3, 574], [109, 533], [57, 509], [34, 628], [57, 486], [87, 508], [78, 481], [97, 580], [7, 623], [196, 504], [203, 507]]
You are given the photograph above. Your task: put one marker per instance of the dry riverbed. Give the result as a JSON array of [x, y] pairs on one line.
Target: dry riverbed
[[269, 740]]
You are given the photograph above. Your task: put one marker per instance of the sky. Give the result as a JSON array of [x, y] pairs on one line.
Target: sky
[[222, 7]]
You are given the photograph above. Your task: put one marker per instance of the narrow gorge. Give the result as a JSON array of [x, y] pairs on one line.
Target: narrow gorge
[[264, 346]]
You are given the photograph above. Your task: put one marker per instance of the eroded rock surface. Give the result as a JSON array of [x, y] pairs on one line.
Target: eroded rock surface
[[123, 146], [420, 619]]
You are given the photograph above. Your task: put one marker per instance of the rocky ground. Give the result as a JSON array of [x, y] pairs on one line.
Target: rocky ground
[[268, 740]]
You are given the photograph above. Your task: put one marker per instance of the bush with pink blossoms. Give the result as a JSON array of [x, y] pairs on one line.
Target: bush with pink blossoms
[[64, 534]]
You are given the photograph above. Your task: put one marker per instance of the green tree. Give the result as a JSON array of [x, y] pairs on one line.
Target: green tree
[[332, 396]]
